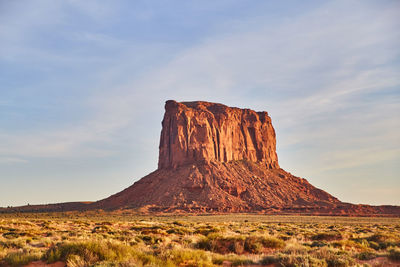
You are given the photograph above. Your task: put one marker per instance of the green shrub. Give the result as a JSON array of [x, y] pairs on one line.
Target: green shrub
[[239, 244], [75, 261], [100, 229], [21, 258], [374, 245], [179, 223], [207, 230], [285, 260], [204, 243], [253, 244], [147, 260], [334, 257], [379, 237], [11, 235], [90, 251], [327, 236], [177, 231], [268, 260], [318, 244], [16, 243], [188, 257], [384, 240], [340, 262], [150, 239], [222, 245], [272, 242], [366, 255]]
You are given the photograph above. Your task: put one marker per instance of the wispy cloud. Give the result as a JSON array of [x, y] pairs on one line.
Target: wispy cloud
[[9, 160], [327, 76]]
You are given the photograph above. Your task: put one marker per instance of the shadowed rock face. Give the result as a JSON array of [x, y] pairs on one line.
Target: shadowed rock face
[[203, 132]]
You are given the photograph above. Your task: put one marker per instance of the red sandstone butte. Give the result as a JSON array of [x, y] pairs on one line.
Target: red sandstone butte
[[215, 158], [203, 131]]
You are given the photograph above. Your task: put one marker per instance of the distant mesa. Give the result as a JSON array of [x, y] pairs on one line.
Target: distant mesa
[[218, 159]]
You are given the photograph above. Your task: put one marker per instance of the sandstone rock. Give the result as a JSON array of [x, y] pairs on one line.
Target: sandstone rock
[[203, 132], [215, 158], [236, 186]]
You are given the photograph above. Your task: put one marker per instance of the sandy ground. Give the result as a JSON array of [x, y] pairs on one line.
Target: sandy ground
[[44, 264], [382, 261]]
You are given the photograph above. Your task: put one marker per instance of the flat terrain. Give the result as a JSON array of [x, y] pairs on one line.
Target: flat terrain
[[117, 239]]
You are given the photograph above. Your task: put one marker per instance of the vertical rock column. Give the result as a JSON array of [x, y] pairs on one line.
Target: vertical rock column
[[203, 131]]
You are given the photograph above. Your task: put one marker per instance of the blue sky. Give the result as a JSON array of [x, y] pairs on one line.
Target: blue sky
[[83, 85]]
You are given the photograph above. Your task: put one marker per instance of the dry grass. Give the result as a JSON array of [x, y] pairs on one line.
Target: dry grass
[[101, 239]]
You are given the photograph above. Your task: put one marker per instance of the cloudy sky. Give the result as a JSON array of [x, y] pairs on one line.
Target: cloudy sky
[[83, 86]]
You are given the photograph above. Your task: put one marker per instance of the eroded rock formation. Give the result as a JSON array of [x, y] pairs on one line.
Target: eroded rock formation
[[204, 132], [215, 158]]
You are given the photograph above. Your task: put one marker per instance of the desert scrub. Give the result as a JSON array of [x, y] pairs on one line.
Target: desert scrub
[[102, 229], [3, 252], [235, 260], [239, 244], [222, 245], [327, 236], [366, 255], [334, 257], [350, 244], [256, 244], [296, 248], [150, 239], [21, 258], [394, 253], [16, 243], [384, 240], [75, 261], [89, 251], [187, 257], [177, 231], [143, 241], [293, 260], [206, 230], [253, 244]]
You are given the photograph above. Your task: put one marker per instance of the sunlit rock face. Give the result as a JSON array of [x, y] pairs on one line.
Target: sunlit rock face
[[218, 159], [215, 158], [203, 132]]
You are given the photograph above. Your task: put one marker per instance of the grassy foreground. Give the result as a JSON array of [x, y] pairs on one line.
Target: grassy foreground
[[102, 239]]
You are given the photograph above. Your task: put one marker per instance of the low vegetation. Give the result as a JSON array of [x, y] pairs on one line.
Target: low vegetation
[[103, 239]]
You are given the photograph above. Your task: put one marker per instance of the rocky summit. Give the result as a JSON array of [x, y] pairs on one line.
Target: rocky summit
[[196, 132]]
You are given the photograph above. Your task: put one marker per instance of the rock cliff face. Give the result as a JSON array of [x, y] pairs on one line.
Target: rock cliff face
[[215, 158], [203, 132]]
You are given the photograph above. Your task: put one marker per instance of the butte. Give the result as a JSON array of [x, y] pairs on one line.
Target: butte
[[219, 159], [215, 158]]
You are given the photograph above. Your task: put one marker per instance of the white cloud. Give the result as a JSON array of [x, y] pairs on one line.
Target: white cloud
[[306, 67], [311, 72]]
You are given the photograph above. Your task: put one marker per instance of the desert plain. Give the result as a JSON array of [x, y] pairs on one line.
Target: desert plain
[[96, 238]]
